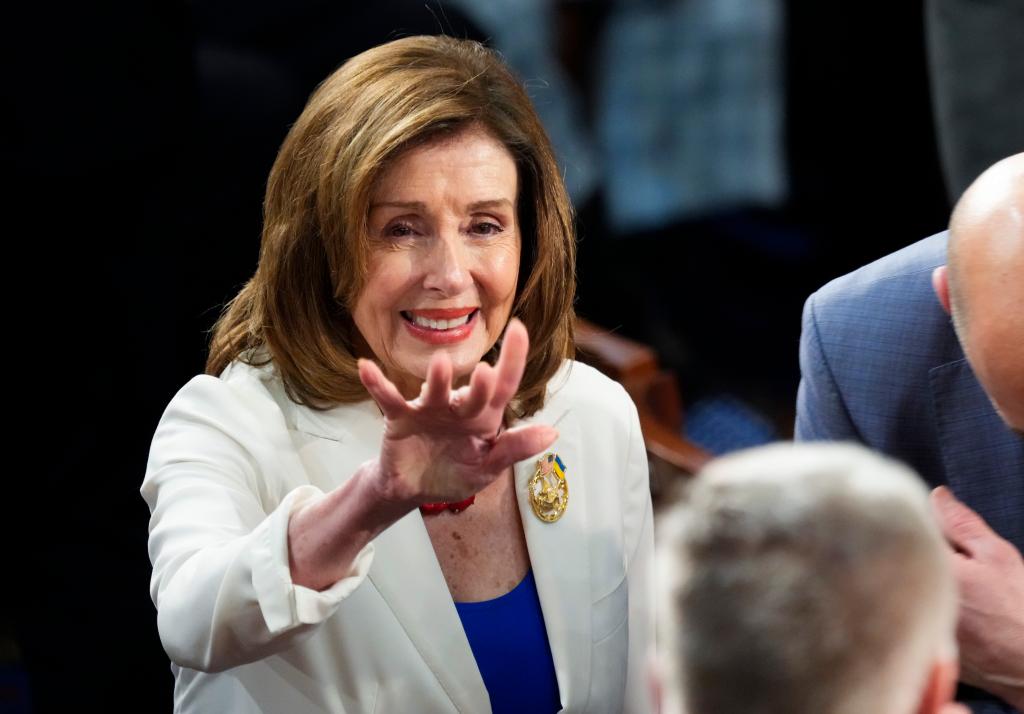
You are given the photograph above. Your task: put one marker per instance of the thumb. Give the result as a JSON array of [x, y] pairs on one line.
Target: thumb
[[965, 530], [520, 443]]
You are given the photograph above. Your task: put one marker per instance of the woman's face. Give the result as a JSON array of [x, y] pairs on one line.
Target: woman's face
[[444, 257]]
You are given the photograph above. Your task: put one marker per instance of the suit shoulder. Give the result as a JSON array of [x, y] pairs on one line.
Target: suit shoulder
[[882, 320], [906, 271], [579, 386], [241, 399]]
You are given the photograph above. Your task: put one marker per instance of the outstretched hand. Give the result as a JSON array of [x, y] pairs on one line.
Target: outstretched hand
[[447, 445]]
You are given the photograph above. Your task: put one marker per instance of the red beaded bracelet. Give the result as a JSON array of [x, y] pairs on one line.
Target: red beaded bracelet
[[429, 509]]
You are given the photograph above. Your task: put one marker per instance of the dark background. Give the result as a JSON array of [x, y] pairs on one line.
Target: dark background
[[140, 138]]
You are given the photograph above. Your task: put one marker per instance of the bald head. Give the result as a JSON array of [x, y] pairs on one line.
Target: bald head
[[986, 282]]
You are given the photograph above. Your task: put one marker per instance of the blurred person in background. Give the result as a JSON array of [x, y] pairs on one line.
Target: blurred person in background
[[805, 579], [977, 80]]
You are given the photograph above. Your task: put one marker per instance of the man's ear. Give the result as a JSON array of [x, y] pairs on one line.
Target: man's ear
[[939, 687], [940, 284]]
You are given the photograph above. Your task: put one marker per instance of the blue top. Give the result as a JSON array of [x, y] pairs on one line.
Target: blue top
[[511, 647]]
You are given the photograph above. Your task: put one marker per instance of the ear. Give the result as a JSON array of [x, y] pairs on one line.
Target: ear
[[939, 687], [940, 284]]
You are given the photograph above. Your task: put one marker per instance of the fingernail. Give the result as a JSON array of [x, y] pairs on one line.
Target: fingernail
[[943, 498]]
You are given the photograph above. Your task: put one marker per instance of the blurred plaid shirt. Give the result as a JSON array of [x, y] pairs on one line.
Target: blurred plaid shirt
[[690, 109], [522, 30]]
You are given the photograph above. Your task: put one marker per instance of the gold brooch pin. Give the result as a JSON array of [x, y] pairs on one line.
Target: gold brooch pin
[[548, 489]]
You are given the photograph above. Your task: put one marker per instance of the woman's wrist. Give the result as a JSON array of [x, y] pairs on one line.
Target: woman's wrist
[[325, 536], [378, 499]]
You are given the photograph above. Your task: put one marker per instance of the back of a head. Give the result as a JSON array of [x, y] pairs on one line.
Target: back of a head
[[803, 578], [986, 282]]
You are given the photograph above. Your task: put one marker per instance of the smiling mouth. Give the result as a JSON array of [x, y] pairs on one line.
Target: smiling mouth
[[440, 320]]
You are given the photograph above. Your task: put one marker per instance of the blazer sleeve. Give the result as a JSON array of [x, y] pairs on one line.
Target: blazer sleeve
[[821, 412], [639, 539], [220, 485]]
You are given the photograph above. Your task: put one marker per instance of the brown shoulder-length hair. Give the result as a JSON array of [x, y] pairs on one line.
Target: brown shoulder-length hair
[[296, 310]]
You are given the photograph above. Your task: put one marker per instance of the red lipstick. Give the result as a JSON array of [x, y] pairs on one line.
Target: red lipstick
[[449, 336], [446, 313]]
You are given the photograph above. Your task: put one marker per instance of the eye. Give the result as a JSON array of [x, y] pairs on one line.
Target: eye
[[486, 228], [399, 230]]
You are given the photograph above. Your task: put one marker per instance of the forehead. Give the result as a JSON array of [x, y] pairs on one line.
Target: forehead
[[471, 163]]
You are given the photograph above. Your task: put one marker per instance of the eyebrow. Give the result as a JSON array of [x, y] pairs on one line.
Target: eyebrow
[[422, 207]]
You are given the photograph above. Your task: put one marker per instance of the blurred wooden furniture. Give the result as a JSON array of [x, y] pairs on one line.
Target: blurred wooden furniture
[[654, 391]]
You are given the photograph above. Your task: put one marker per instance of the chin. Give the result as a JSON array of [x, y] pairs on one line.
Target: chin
[[465, 357]]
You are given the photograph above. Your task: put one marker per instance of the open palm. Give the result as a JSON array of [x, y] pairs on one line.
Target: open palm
[[445, 445]]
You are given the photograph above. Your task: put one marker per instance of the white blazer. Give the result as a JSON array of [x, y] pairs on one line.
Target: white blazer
[[233, 457]]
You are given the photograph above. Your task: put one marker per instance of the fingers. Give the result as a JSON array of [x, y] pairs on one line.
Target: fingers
[[965, 530], [518, 444], [386, 394], [470, 401], [438, 385], [511, 363]]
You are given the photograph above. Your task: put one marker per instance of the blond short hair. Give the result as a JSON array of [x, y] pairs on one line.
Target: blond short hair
[[799, 579]]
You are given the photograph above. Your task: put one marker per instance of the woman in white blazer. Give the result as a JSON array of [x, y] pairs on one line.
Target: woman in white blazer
[[384, 496]]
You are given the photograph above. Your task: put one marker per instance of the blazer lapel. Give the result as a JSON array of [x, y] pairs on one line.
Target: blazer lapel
[[984, 459], [410, 581], [405, 570], [560, 560]]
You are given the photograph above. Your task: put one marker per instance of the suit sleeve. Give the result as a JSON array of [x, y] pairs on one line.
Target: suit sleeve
[[218, 531], [821, 412], [639, 539]]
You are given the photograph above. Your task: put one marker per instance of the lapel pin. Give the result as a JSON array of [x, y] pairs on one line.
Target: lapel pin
[[548, 489]]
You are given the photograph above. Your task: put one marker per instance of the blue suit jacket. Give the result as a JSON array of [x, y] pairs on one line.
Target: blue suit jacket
[[880, 364]]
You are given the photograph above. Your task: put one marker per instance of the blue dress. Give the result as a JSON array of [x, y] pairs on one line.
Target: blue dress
[[510, 644]]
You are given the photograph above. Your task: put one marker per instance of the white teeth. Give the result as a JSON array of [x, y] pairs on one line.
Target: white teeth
[[441, 324]]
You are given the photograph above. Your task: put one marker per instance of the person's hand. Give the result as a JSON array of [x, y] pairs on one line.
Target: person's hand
[[445, 445], [990, 575]]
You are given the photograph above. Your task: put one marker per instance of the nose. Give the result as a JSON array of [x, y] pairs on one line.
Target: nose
[[447, 265]]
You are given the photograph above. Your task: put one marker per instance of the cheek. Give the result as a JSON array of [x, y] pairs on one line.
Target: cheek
[[502, 270], [386, 283]]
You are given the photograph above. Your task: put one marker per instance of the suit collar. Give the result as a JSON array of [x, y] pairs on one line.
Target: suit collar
[[346, 423], [560, 562], [414, 588], [983, 458], [404, 571], [559, 556], [410, 580]]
